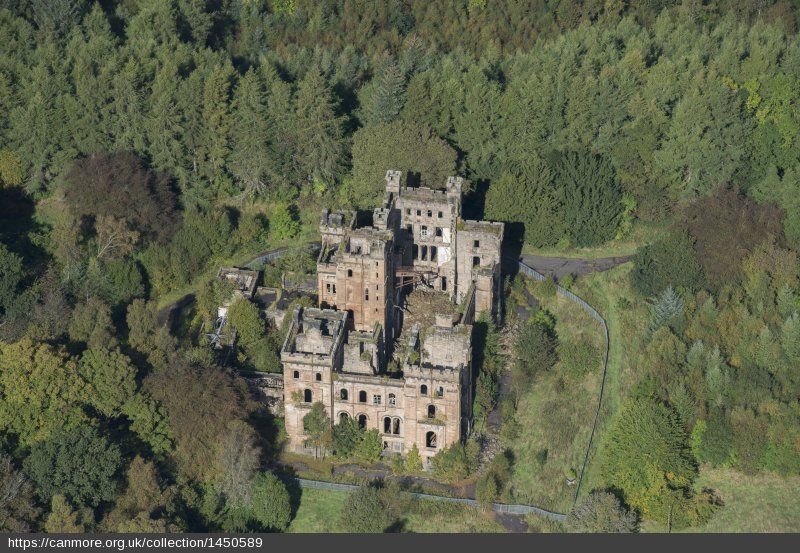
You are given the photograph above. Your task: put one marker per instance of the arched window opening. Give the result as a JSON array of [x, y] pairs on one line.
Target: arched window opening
[[362, 396], [307, 396], [387, 425], [362, 421], [319, 377], [296, 374], [396, 426], [343, 418], [423, 390], [392, 400], [343, 394], [430, 439], [431, 411], [440, 392]]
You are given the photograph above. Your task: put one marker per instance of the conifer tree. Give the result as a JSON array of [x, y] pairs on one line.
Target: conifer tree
[[92, 54], [592, 197], [216, 120], [165, 124], [320, 136], [249, 158], [790, 338], [387, 97], [666, 308], [647, 458], [128, 111]]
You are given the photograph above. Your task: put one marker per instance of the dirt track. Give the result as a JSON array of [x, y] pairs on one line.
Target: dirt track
[[559, 267]]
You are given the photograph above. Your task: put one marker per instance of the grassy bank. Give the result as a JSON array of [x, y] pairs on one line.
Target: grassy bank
[[641, 233], [751, 503], [555, 413], [319, 511]]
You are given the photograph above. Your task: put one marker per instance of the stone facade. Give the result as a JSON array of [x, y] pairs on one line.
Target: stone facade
[[338, 354]]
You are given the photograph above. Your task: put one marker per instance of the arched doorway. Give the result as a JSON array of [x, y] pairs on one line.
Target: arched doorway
[[362, 421]]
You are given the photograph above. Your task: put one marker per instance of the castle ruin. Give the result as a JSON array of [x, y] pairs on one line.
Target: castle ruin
[[389, 344]]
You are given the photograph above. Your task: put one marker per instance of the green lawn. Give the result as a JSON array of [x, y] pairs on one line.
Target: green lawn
[[758, 503], [319, 512]]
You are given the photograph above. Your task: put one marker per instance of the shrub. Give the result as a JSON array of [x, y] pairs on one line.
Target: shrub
[[283, 222], [601, 512], [670, 261], [712, 439], [414, 460], [455, 462], [367, 511], [535, 351], [490, 486], [252, 229], [370, 447], [346, 436], [578, 358], [270, 503], [547, 288]]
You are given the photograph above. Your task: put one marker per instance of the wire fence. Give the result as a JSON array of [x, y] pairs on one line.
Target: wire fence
[[536, 275], [497, 507]]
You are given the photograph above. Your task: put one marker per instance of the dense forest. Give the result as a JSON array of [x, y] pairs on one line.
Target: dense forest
[[144, 141]]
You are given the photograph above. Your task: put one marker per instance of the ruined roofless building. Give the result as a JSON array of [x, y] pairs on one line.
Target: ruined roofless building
[[417, 248]]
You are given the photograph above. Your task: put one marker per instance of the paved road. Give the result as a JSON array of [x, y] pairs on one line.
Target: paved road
[[559, 267]]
